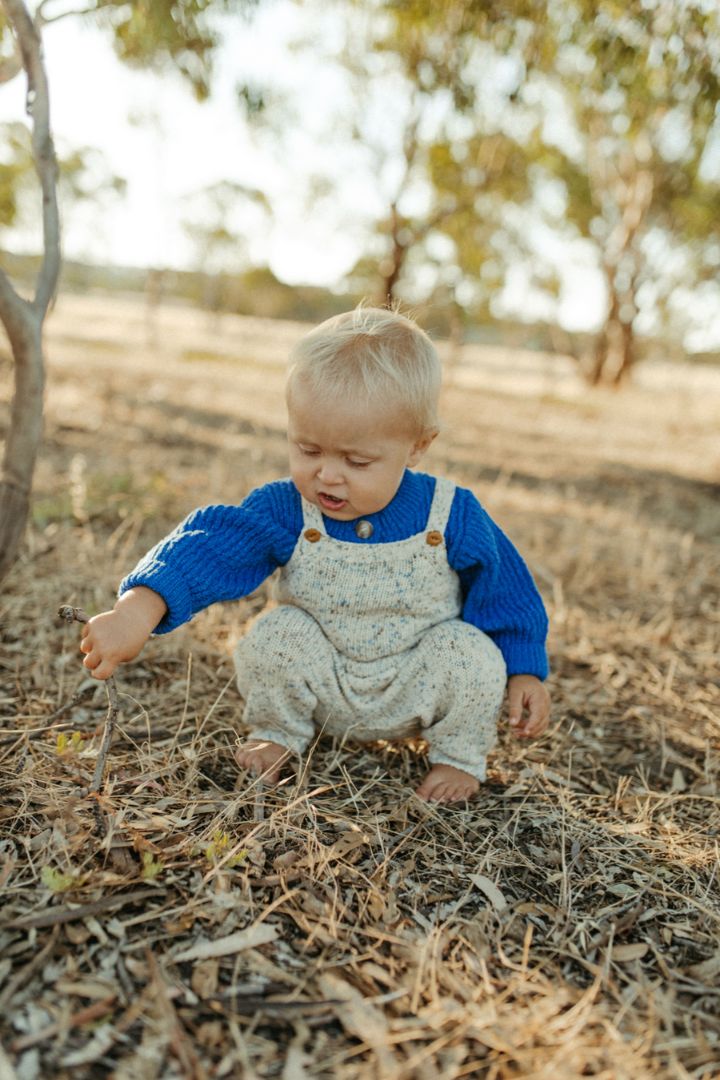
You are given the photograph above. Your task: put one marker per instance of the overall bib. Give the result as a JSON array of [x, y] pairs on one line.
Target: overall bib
[[367, 644]]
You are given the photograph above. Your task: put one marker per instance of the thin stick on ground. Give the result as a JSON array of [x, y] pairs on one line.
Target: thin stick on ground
[[73, 614]]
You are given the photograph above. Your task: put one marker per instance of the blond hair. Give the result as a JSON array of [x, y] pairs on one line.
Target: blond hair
[[374, 357]]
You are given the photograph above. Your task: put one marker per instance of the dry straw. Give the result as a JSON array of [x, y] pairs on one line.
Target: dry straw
[[566, 924]]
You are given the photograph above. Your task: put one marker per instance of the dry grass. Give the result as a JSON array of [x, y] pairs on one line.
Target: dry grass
[[564, 925]]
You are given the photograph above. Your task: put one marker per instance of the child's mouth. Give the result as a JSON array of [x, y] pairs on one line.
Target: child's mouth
[[330, 502]]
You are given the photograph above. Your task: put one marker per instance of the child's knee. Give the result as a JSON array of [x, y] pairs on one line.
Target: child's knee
[[471, 662], [460, 644]]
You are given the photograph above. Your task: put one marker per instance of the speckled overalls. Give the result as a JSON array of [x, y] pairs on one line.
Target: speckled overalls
[[367, 644]]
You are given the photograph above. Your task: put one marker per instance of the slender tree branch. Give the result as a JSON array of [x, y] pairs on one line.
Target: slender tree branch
[[38, 107], [44, 20], [75, 912]]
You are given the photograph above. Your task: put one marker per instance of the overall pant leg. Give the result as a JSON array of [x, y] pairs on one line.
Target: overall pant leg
[[460, 680], [278, 664]]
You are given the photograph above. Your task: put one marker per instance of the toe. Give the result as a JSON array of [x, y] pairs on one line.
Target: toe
[[439, 792]]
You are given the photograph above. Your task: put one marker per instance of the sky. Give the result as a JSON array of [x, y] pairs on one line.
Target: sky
[[168, 147]]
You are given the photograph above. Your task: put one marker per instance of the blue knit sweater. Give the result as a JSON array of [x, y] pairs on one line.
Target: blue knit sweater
[[225, 552]]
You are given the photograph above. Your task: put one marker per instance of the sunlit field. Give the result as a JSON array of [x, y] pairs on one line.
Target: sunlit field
[[188, 924]]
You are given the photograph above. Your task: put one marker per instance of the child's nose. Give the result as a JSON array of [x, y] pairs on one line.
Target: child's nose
[[329, 472]]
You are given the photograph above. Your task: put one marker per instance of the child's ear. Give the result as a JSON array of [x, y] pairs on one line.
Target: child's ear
[[421, 445]]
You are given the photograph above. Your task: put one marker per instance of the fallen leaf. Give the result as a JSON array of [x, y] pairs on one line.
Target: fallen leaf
[[634, 951], [494, 895], [678, 780], [706, 970], [89, 987], [295, 1062], [100, 1043], [260, 934], [362, 1019], [204, 979]]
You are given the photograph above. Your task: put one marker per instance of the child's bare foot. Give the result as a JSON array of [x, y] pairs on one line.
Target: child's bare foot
[[262, 758], [446, 784]]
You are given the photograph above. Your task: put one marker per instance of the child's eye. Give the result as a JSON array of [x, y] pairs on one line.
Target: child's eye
[[308, 450], [358, 464]]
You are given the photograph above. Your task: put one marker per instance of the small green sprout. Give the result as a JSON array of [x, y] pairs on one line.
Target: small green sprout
[[72, 744], [151, 867], [58, 882], [217, 847]]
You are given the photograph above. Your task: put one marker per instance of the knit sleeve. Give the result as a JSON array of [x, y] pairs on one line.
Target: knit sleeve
[[220, 553], [499, 594]]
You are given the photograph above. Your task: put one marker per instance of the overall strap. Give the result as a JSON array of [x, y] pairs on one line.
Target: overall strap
[[441, 505], [312, 517]]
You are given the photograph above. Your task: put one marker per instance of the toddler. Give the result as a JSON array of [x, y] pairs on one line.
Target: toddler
[[403, 608]]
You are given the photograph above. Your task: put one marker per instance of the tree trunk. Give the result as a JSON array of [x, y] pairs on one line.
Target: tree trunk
[[390, 281], [24, 434], [614, 354], [391, 267], [625, 355], [615, 347], [23, 319]]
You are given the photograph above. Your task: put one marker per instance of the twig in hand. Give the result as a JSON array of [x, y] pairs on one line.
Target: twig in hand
[[113, 709], [73, 614]]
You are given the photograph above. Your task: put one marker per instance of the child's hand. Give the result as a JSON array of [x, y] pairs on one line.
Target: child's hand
[[116, 636], [528, 692]]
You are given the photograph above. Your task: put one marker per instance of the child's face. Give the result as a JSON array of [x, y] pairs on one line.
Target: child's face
[[348, 461]]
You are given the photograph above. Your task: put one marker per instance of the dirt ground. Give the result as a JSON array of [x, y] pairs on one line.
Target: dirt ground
[[186, 924]]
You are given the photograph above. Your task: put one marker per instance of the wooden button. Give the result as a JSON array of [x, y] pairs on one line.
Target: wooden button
[[313, 535], [364, 529], [434, 538]]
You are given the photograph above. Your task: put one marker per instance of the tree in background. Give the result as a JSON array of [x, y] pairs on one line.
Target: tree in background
[[439, 184], [220, 246], [83, 178], [636, 87], [178, 33], [641, 84], [474, 164]]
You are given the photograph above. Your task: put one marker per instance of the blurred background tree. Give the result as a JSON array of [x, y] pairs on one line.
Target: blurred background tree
[[442, 170], [159, 35], [636, 88], [521, 127], [84, 179], [218, 224], [641, 85]]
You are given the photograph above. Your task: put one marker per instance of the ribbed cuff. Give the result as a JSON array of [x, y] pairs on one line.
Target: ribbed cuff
[[524, 658], [173, 591]]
